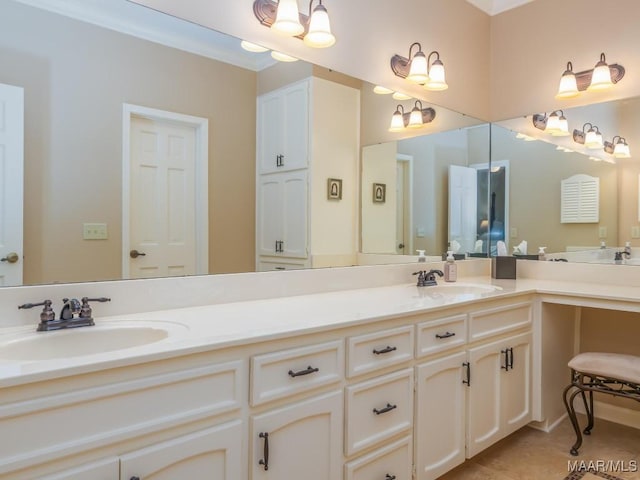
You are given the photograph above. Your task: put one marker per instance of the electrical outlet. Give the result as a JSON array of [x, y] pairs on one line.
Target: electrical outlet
[[94, 231], [635, 232], [602, 232]]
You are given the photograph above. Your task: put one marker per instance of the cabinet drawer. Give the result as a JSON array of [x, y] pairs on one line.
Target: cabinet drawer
[[366, 353], [438, 335], [378, 409], [392, 461], [280, 374], [493, 321]]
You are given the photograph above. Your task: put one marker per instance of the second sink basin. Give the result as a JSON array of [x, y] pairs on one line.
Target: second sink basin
[[33, 346]]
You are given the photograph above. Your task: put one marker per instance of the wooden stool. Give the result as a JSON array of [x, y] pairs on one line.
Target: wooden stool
[[612, 373]]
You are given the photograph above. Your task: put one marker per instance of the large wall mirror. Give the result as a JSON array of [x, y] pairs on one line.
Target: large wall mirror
[[538, 163]]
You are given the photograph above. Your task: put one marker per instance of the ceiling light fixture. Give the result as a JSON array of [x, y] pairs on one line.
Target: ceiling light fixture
[[591, 139], [417, 118], [283, 17], [416, 68], [601, 77]]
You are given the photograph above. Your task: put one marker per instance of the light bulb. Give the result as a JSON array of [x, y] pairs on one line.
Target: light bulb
[[436, 77], [601, 77], [568, 85], [415, 119], [288, 18], [418, 69], [397, 122], [621, 150]]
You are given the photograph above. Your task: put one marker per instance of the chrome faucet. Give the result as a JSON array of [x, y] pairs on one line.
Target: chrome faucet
[[73, 313]]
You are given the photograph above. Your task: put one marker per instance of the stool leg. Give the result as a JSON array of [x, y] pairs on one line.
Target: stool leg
[[589, 409], [568, 403]]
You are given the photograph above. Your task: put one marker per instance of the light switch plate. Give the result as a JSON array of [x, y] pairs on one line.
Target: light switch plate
[[635, 232], [94, 231], [602, 232], [513, 232]]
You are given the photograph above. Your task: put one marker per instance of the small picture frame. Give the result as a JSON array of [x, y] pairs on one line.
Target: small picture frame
[[379, 192], [334, 189]]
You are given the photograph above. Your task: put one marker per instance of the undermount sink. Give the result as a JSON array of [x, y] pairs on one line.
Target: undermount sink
[[74, 342]]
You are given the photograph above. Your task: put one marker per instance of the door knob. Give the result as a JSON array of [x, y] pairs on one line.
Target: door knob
[[13, 257], [401, 245], [136, 254]]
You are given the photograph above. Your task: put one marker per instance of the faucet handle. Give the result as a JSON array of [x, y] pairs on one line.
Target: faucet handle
[[85, 309], [421, 277], [47, 313]]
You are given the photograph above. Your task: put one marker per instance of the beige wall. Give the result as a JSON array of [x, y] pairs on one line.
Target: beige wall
[[368, 35], [76, 78], [531, 45], [536, 170]]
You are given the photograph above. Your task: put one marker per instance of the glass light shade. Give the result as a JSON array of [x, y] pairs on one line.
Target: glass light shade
[[418, 69], [288, 19], [382, 90], [252, 47], [553, 124], [415, 119], [601, 78], [281, 57], [568, 86], [436, 77], [593, 139], [400, 96], [319, 34], [563, 128], [621, 150], [397, 122]]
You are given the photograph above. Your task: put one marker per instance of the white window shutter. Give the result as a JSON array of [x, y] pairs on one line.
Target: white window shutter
[[580, 199]]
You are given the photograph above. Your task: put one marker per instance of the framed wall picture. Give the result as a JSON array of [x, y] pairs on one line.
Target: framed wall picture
[[379, 192], [334, 189]]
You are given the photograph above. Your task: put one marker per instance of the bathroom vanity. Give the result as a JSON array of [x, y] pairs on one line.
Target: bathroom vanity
[[382, 378]]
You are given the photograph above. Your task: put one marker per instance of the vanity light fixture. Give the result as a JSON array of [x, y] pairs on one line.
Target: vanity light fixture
[[555, 124], [416, 68], [417, 118], [282, 57], [619, 148], [601, 77], [283, 17], [252, 47], [591, 139]]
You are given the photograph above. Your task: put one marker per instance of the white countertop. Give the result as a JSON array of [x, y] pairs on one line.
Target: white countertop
[[206, 328]]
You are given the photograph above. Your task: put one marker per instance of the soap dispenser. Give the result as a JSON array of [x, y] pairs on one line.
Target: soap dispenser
[[421, 256], [450, 268], [542, 255]]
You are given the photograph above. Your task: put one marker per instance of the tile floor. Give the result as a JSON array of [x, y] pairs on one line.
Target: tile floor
[[531, 454]]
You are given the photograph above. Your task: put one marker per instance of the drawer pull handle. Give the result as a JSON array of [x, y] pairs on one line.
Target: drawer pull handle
[[511, 358], [134, 478], [265, 460], [468, 380], [386, 409], [384, 350], [308, 370], [505, 352], [389, 477], [445, 335]]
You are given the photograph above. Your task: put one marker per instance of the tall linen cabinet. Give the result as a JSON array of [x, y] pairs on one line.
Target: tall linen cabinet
[[308, 132]]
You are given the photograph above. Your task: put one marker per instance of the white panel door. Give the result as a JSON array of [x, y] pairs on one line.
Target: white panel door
[[463, 206], [162, 217], [269, 207], [303, 441], [11, 183], [440, 411], [214, 453]]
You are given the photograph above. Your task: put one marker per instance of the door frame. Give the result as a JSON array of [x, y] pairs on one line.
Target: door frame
[[201, 127], [408, 194]]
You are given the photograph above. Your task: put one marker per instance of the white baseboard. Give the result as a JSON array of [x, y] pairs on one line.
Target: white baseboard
[[547, 426], [613, 413]]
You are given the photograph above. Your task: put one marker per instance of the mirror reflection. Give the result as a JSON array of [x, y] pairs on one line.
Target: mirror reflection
[[587, 218]]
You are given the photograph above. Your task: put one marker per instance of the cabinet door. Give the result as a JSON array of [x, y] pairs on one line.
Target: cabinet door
[[283, 128], [211, 453], [299, 441], [270, 135], [269, 208], [516, 384], [483, 397], [440, 416], [294, 214], [105, 469]]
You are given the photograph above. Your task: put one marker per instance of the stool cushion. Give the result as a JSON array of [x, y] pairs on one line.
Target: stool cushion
[[611, 365]]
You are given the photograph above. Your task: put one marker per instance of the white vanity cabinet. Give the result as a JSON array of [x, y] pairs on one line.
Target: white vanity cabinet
[[104, 469], [476, 394]]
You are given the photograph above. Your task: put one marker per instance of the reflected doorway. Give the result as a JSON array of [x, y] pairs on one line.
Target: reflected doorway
[[404, 212]]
